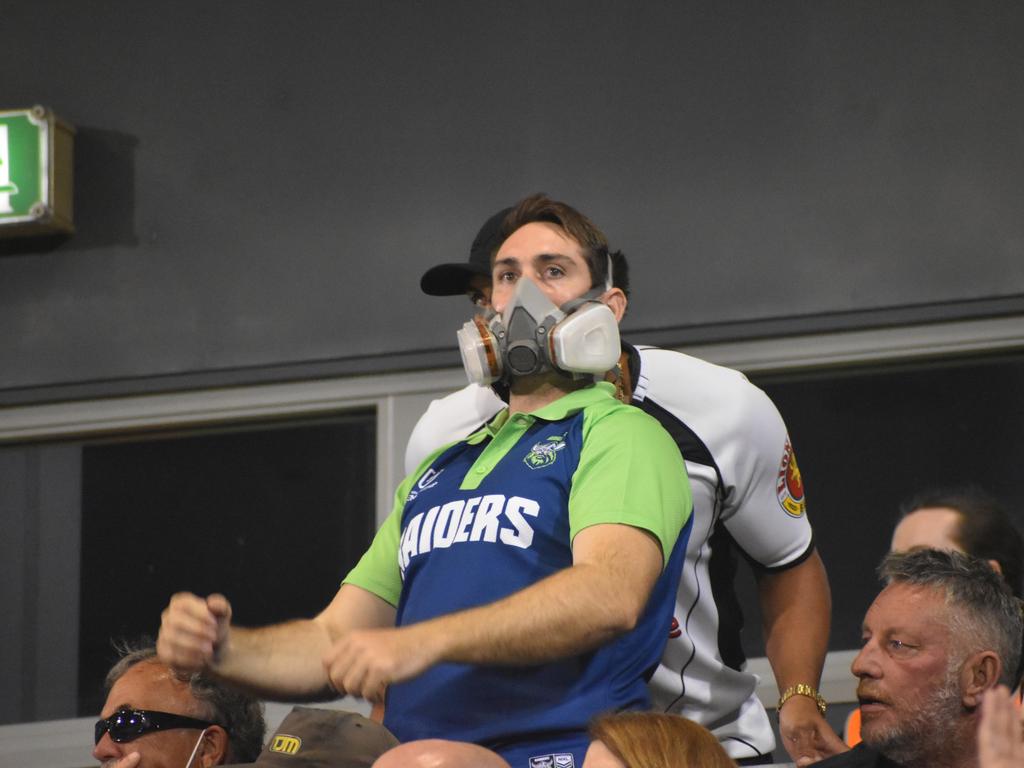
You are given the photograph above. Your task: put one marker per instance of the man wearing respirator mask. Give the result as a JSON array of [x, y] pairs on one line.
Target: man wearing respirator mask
[[525, 580], [747, 498], [532, 336]]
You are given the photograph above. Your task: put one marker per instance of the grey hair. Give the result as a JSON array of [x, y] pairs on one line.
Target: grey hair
[[986, 615], [240, 714]]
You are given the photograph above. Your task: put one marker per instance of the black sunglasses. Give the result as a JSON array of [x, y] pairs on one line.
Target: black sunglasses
[[128, 724]]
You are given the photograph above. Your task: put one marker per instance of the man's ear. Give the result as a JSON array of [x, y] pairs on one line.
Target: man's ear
[[214, 749], [996, 566], [980, 672], [616, 301]]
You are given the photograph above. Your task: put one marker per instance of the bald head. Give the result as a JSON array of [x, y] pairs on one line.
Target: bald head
[[437, 753]]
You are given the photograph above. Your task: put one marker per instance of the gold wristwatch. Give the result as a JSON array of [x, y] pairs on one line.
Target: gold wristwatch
[[802, 689]]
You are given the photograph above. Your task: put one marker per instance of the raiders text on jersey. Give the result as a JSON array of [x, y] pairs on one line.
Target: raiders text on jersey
[[489, 518]]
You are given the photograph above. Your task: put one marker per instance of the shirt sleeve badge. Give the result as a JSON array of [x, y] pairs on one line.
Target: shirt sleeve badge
[[789, 486]]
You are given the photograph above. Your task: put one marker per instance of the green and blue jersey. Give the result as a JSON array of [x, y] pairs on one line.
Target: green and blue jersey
[[497, 512]]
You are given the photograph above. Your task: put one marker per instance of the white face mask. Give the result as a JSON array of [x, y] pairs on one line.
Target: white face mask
[[532, 336]]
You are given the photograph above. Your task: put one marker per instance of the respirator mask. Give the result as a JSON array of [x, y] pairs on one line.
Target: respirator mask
[[532, 335]]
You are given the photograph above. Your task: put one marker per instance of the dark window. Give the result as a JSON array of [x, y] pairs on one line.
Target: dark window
[[868, 438], [273, 515]]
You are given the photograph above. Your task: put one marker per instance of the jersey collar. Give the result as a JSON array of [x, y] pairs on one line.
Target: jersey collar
[[563, 407], [575, 401]]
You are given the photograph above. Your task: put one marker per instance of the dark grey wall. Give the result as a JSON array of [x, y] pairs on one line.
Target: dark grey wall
[[260, 184]]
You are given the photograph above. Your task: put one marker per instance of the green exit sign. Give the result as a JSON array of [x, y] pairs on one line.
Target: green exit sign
[[36, 155]]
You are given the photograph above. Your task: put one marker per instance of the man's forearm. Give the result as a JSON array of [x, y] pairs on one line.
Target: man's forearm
[[796, 605], [572, 611], [797, 608], [285, 661], [280, 662], [567, 613]]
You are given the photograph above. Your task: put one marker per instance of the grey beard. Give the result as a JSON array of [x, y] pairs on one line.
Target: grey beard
[[923, 738]]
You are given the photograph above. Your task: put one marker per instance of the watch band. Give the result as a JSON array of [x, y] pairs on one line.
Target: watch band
[[803, 689]]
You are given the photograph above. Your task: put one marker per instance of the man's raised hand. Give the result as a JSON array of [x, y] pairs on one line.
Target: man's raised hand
[[194, 631]]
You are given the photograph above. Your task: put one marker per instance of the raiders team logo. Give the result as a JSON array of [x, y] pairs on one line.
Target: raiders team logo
[[788, 485], [544, 453], [561, 760]]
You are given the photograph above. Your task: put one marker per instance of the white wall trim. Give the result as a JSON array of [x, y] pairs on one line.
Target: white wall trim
[[83, 418], [837, 686], [120, 414], [878, 345]]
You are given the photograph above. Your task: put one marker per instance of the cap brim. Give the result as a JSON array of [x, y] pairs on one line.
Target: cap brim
[[450, 279]]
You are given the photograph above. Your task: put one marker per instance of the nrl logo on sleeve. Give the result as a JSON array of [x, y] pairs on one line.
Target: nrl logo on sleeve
[[544, 453], [789, 487]]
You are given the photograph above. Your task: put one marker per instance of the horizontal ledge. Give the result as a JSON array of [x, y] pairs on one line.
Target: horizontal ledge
[[881, 345], [225, 404], [699, 336], [838, 685], [119, 414]]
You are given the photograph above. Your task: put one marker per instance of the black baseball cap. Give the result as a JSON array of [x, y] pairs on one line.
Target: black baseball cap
[[453, 279]]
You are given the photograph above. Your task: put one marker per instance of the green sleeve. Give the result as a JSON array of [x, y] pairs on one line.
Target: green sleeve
[[630, 472], [377, 570]]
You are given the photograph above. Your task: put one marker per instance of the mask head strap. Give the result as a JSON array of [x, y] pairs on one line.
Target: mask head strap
[[593, 295]]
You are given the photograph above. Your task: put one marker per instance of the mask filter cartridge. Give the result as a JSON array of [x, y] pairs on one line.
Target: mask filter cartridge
[[532, 335]]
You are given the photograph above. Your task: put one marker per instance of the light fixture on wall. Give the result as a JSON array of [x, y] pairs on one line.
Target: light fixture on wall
[[36, 165]]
